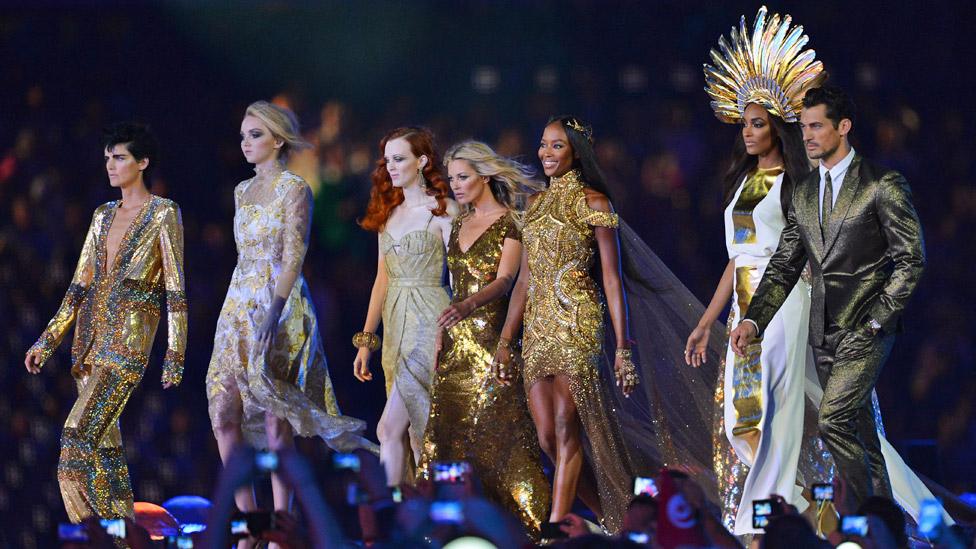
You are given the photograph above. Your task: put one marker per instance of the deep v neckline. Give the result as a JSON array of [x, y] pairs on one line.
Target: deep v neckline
[[110, 267], [478, 238]]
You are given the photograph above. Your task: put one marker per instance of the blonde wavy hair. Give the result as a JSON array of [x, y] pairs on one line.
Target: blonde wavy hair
[[511, 182], [283, 125]]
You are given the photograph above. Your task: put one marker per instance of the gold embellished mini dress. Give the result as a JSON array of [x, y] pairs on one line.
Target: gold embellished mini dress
[[564, 326], [473, 417], [115, 310], [291, 379]]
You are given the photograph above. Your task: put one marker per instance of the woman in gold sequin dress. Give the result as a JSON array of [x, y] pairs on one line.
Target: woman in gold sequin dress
[[410, 209], [131, 260], [473, 417], [268, 378], [566, 227]]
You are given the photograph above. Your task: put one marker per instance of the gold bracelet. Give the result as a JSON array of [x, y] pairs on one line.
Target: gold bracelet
[[368, 340], [627, 370]]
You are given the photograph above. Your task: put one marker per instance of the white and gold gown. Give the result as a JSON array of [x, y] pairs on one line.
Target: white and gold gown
[[291, 380]]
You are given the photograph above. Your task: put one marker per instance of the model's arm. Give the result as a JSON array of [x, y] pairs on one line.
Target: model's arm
[[374, 313], [697, 345], [296, 230], [508, 267], [54, 333], [903, 231], [600, 215], [171, 245]]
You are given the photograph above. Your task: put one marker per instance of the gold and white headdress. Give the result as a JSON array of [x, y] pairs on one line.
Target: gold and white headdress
[[770, 68]]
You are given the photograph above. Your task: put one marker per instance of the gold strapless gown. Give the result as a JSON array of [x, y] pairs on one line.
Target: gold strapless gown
[[415, 297], [472, 416], [564, 327]]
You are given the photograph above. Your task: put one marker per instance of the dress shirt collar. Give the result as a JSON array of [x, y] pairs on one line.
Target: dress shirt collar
[[839, 169]]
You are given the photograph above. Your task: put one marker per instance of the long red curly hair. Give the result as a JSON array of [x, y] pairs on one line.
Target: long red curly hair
[[384, 196]]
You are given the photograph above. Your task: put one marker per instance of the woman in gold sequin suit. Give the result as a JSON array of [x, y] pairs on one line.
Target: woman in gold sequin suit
[[473, 417], [565, 227], [268, 377], [131, 260], [410, 209]]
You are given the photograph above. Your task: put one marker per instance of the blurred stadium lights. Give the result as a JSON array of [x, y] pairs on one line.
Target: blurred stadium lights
[[867, 76], [684, 79], [485, 79], [546, 79], [633, 79]]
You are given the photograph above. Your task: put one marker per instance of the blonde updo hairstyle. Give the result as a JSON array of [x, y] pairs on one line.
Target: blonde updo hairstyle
[[283, 125], [511, 182]]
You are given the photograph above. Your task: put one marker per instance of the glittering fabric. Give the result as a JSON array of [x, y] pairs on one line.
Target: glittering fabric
[[730, 472], [747, 371], [115, 310], [564, 326], [873, 231], [755, 188], [415, 297], [472, 416], [291, 380]]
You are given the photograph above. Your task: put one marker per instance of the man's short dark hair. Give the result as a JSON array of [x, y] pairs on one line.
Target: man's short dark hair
[[137, 138], [890, 514], [839, 104]]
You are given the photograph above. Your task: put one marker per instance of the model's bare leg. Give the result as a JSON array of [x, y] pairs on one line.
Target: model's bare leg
[[392, 433]]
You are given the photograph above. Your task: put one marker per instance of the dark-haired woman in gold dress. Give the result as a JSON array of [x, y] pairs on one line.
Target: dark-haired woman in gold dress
[[473, 417]]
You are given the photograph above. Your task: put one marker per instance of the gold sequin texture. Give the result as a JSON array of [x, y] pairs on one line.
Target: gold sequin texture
[[115, 310], [291, 380], [472, 416], [564, 326], [730, 473]]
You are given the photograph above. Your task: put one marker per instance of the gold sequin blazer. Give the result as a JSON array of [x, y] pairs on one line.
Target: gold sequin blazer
[[867, 265], [116, 308]]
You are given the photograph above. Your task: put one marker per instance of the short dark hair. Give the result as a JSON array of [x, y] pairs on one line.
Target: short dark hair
[[890, 514], [839, 104], [137, 138]]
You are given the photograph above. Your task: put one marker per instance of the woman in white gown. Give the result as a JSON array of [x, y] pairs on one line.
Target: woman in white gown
[[766, 419]]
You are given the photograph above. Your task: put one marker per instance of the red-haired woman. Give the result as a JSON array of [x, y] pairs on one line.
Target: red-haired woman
[[410, 209]]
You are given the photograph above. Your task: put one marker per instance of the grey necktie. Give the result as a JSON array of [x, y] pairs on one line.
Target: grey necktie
[[828, 204]]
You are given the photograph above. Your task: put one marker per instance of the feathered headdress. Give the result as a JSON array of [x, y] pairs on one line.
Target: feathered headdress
[[769, 68]]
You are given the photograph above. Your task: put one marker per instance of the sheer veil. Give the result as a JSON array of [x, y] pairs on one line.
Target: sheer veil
[[668, 419]]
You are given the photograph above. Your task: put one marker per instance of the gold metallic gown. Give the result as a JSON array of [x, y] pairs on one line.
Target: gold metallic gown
[[291, 380], [115, 310], [472, 416], [564, 326], [415, 297]]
